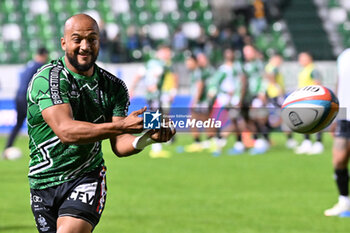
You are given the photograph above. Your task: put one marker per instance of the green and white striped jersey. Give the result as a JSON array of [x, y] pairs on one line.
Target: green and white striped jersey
[[228, 79], [204, 75], [93, 99], [155, 71], [255, 71]]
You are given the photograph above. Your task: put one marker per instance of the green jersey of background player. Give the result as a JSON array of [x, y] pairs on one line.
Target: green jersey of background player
[[153, 75], [254, 69], [73, 105]]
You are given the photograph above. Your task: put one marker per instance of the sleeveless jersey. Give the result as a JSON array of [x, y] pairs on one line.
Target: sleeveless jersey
[[274, 89], [308, 76]]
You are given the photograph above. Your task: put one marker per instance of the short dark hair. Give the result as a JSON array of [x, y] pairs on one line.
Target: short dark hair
[[42, 51], [307, 52], [192, 57]]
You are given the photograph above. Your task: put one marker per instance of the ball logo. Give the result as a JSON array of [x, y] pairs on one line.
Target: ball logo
[[310, 109], [151, 120], [295, 118], [311, 88]]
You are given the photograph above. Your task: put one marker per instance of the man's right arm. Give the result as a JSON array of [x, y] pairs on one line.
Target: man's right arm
[[70, 131]]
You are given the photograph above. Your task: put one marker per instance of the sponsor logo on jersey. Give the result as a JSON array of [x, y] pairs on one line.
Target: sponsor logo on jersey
[[43, 224], [84, 193], [36, 198], [55, 85]]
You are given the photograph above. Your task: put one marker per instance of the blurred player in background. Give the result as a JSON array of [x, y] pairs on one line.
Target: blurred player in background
[[25, 76], [72, 106], [341, 144], [207, 74], [256, 99], [309, 76], [229, 85], [200, 105], [155, 74], [196, 89], [275, 93]]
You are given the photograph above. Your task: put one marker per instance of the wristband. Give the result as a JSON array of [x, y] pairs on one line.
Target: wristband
[[142, 141]]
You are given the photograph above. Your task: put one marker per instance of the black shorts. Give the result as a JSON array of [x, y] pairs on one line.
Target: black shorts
[[82, 198], [343, 129]]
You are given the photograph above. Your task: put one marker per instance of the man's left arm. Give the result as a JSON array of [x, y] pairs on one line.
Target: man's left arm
[[127, 144]]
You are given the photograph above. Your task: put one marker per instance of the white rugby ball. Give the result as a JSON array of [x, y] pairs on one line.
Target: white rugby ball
[[310, 109]]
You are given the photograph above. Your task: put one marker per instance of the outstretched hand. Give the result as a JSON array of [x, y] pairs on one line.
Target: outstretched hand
[[133, 123], [164, 134]]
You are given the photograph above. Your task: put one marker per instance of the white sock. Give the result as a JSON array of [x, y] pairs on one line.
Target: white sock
[[156, 147], [344, 199]]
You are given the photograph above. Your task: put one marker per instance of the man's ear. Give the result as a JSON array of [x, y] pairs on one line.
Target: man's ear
[[63, 43]]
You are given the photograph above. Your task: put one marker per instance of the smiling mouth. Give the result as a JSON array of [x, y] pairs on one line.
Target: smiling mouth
[[84, 55]]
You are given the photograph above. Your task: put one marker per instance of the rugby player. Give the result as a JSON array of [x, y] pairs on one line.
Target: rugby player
[[73, 105], [341, 144]]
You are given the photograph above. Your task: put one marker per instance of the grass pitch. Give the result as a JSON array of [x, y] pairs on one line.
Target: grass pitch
[[278, 192]]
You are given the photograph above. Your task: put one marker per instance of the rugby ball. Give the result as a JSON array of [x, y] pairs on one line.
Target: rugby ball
[[310, 109], [12, 153]]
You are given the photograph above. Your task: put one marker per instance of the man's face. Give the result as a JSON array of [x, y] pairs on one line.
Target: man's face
[[229, 55], [81, 44], [249, 53], [202, 60], [164, 54], [304, 59], [191, 64]]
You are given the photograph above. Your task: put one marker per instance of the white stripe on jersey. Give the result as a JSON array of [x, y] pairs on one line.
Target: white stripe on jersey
[[47, 160]]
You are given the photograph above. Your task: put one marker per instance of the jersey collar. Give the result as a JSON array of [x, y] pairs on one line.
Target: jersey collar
[[79, 76]]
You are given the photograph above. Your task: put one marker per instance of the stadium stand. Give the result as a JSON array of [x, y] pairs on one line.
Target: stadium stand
[[307, 30], [336, 22], [136, 27]]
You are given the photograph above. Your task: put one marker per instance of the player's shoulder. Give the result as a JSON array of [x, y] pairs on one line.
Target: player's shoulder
[[52, 69], [110, 78], [222, 67]]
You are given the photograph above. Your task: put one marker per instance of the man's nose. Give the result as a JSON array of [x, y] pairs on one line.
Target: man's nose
[[85, 44]]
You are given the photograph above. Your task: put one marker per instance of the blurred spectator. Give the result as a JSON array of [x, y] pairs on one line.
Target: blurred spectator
[[258, 21], [104, 53], [118, 52], [144, 40], [273, 9], [214, 37], [132, 41], [200, 42], [226, 38], [242, 12], [21, 103], [241, 38], [179, 42]]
